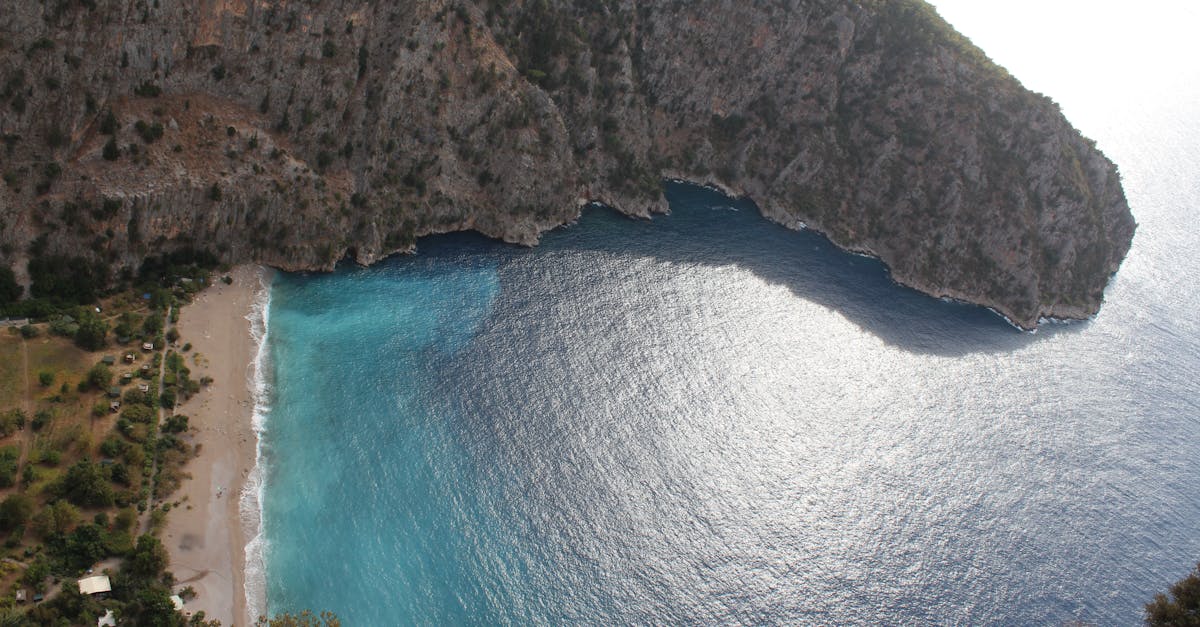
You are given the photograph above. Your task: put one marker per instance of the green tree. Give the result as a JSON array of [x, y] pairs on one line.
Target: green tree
[[74, 280], [45, 378], [1182, 608], [100, 377], [111, 152], [93, 332], [59, 517], [10, 290], [15, 511], [36, 574], [85, 546], [84, 484], [149, 558]]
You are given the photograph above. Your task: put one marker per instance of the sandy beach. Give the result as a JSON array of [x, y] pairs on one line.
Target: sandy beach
[[205, 534]]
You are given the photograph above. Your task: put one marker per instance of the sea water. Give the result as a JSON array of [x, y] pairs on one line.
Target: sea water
[[706, 418]]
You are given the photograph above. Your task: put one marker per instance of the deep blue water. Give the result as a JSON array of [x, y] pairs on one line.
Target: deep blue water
[[706, 418], [709, 418]]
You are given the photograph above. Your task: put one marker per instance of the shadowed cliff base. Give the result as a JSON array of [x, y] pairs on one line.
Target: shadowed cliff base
[[708, 228]]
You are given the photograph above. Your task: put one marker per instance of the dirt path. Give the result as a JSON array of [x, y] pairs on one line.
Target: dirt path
[[144, 524]]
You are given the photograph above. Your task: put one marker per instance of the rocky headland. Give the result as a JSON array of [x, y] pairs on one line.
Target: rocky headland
[[297, 132]]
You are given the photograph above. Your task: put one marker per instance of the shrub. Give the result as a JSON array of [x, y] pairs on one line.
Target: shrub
[[11, 421], [148, 90], [40, 419], [29, 331], [149, 133], [99, 377], [176, 424], [55, 137], [111, 151], [8, 466], [15, 511], [108, 123], [1181, 608]]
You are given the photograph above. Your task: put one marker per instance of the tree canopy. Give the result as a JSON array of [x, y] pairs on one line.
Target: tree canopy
[[1182, 608]]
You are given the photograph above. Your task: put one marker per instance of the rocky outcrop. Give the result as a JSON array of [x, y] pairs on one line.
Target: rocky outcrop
[[296, 132]]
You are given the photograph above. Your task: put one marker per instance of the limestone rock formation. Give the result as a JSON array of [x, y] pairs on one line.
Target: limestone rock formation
[[295, 132]]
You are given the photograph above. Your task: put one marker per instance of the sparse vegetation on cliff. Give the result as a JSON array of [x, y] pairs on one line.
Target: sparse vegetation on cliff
[[874, 122]]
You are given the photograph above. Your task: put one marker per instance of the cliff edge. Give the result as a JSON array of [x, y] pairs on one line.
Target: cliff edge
[[293, 133]]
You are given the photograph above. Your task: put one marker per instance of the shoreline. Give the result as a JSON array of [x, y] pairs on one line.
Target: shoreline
[[207, 534]]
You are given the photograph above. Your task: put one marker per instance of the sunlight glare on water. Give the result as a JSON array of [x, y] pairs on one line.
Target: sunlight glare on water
[[705, 418]]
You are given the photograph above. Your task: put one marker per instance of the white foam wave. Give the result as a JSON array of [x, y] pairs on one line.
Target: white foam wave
[[251, 498]]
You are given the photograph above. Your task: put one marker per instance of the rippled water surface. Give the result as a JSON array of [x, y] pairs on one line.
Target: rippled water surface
[[707, 418]]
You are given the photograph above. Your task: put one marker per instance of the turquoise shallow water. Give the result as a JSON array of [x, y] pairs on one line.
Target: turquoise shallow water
[[706, 418]]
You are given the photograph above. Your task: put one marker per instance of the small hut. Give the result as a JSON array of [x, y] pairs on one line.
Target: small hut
[[108, 360]]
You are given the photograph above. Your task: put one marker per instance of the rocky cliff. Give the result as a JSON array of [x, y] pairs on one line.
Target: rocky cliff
[[295, 132]]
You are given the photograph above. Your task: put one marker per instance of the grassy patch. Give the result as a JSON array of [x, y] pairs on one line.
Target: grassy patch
[[11, 386], [67, 361]]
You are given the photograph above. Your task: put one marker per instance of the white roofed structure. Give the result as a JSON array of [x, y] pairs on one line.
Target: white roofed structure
[[95, 584]]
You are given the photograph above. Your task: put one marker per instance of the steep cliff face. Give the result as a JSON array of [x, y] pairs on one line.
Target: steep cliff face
[[296, 132]]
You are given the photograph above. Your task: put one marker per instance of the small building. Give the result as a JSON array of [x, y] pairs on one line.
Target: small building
[[114, 391], [96, 584], [108, 620], [114, 406], [127, 377], [147, 346], [108, 360], [177, 601], [21, 598], [145, 367], [129, 358], [143, 387]]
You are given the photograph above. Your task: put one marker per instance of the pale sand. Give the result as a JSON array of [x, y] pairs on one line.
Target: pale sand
[[204, 534]]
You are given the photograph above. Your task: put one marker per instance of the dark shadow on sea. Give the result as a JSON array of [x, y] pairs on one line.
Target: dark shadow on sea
[[707, 228]]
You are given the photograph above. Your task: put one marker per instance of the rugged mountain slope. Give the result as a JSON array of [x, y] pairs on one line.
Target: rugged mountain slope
[[294, 132]]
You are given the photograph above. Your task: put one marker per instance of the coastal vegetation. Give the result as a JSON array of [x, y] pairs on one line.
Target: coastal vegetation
[[1181, 608], [92, 444]]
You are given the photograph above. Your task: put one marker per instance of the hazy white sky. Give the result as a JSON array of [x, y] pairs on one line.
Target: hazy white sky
[[1132, 55], [1098, 40]]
